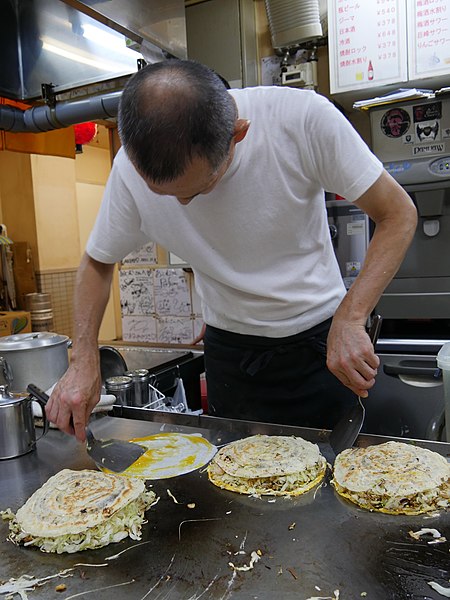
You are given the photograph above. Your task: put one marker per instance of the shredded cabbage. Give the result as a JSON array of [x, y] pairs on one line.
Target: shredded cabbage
[[421, 502], [276, 485], [123, 523]]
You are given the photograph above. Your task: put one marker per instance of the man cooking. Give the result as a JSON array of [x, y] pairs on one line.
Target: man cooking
[[233, 181]]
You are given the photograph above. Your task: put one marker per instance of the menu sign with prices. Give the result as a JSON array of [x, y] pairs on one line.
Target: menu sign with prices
[[367, 42], [428, 38]]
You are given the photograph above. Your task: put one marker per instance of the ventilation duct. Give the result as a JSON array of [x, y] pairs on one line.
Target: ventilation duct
[[45, 118], [293, 22]]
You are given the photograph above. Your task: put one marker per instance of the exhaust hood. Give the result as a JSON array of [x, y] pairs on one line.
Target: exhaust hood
[[63, 45]]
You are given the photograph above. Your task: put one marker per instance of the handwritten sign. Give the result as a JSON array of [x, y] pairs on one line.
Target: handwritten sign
[[175, 330], [172, 295], [143, 256], [136, 292], [139, 329], [367, 42], [429, 38]]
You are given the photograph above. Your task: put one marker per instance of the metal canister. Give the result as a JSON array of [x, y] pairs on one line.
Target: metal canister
[[120, 386], [140, 378]]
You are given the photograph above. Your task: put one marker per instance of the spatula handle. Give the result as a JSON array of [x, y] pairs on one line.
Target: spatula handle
[[37, 392], [375, 328]]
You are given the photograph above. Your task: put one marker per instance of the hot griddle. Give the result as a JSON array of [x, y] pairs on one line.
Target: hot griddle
[[315, 541]]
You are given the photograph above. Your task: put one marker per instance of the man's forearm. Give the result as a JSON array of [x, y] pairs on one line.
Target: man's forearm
[[384, 257], [350, 356], [394, 231], [91, 297]]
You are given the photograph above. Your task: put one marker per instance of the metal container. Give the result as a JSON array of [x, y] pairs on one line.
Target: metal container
[[140, 378], [39, 358], [121, 387], [40, 307], [17, 432]]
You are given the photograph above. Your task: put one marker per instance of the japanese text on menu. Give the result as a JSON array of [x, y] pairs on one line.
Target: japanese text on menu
[[368, 40], [429, 38]]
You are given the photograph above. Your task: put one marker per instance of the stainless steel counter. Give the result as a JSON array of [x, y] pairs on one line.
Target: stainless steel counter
[[314, 541]]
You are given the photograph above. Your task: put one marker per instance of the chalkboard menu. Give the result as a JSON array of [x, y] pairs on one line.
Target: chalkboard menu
[[374, 43]]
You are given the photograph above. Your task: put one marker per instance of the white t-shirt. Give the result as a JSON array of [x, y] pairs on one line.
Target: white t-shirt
[[258, 243]]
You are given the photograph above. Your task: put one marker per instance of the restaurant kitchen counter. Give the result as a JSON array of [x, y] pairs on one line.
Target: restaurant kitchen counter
[[165, 365], [308, 546]]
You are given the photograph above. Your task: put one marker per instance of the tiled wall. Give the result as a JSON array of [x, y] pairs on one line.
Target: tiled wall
[[60, 285]]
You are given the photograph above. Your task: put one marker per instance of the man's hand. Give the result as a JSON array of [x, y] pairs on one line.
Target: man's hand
[[351, 356], [74, 398]]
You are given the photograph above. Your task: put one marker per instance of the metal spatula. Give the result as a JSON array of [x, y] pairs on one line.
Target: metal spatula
[[114, 455], [346, 431]]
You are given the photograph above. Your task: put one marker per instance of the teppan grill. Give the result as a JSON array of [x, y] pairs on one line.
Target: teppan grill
[[314, 546]]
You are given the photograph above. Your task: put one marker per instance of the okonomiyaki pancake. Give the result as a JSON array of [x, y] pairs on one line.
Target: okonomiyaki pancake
[[394, 478], [77, 510], [268, 465]]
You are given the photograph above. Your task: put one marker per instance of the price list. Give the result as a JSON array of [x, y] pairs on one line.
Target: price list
[[367, 42], [429, 38]]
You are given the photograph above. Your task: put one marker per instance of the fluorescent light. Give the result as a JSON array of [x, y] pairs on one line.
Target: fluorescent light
[[112, 41], [92, 62]]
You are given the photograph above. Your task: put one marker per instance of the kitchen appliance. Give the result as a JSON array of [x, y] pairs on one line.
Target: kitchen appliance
[[413, 141], [407, 400], [17, 432], [40, 357], [317, 540], [349, 231]]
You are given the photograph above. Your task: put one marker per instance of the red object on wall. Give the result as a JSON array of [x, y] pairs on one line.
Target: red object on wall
[[85, 133]]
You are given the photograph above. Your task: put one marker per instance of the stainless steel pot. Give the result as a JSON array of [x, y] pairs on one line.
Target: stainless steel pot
[[40, 358], [17, 432]]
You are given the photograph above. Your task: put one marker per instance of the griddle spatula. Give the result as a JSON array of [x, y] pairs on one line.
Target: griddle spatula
[[114, 455], [346, 431]]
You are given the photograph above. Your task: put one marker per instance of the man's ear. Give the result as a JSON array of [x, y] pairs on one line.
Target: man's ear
[[240, 130]]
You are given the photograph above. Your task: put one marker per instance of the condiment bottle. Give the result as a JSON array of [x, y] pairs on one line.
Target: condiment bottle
[[121, 386], [140, 378]]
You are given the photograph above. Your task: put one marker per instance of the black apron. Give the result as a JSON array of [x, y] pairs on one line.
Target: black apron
[[274, 380]]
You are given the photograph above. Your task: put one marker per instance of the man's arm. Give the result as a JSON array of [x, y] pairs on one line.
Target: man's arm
[[78, 391], [350, 353]]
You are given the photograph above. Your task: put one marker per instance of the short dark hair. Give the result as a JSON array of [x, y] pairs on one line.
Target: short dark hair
[[171, 112]]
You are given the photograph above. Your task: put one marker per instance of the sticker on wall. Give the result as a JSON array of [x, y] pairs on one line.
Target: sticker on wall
[[352, 268], [356, 227], [427, 118], [395, 122], [427, 131]]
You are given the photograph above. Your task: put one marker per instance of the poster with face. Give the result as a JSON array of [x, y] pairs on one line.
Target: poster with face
[[395, 122]]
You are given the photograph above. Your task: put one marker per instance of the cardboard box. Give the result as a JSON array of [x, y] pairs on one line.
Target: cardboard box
[[12, 322]]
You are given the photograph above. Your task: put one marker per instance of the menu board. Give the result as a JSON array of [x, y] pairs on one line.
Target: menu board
[[429, 38], [367, 41]]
